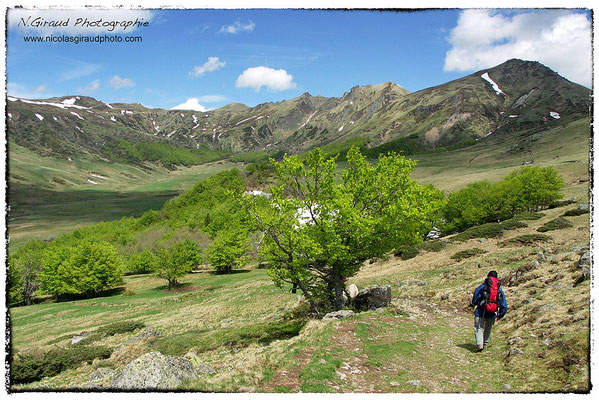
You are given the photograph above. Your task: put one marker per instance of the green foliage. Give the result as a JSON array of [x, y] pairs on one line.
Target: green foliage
[[24, 267], [227, 251], [28, 368], [526, 240], [120, 327], [317, 231], [176, 261], [528, 216], [169, 154], [513, 223], [526, 189], [88, 269], [468, 253], [554, 224], [575, 212], [435, 245], [490, 230], [407, 253], [142, 263]]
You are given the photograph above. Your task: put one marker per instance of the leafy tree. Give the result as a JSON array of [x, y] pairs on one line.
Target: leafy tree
[[142, 263], [176, 261], [318, 232], [539, 186], [227, 251], [88, 269], [24, 268]]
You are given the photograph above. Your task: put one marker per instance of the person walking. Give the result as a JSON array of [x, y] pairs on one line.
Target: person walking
[[491, 306]]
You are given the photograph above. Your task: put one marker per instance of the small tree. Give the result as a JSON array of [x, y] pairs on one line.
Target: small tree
[[24, 268], [176, 261], [318, 232], [227, 251]]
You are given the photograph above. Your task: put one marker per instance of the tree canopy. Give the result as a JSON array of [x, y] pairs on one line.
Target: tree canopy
[[317, 231]]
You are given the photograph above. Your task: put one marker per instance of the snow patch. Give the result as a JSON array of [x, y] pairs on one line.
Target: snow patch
[[554, 114], [123, 112], [79, 129], [108, 105], [69, 159], [244, 120], [92, 182], [10, 115], [172, 133], [39, 117], [112, 118], [308, 120], [342, 126], [258, 193], [12, 98], [98, 176], [487, 78], [77, 115], [70, 101], [513, 116], [59, 105]]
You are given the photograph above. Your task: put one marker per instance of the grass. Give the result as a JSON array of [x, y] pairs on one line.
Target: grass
[[468, 253]]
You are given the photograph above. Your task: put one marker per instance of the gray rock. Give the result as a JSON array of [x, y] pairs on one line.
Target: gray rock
[[100, 374], [200, 367], [540, 256], [413, 383], [77, 339], [445, 297], [547, 342], [515, 352], [373, 297], [584, 263], [340, 314], [506, 387], [154, 371], [584, 206], [548, 307], [146, 333], [353, 291], [579, 248], [514, 340]]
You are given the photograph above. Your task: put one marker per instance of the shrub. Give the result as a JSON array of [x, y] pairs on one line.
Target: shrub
[[528, 239], [468, 253], [407, 253], [528, 216], [226, 253], [142, 263], [28, 368], [512, 224], [575, 212], [433, 245], [490, 230], [554, 224], [120, 327]]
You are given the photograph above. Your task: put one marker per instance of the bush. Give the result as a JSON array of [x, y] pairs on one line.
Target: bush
[[554, 224], [528, 216], [524, 240], [407, 253], [490, 230], [433, 245], [575, 212], [512, 224], [468, 253], [120, 327], [33, 367], [227, 251], [142, 263]]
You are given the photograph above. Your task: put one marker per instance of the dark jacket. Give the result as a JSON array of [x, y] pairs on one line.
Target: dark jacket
[[481, 312]]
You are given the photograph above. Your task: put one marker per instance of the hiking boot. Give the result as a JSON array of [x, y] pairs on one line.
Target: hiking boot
[[480, 348]]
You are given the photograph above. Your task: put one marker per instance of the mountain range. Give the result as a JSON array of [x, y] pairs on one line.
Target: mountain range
[[514, 96]]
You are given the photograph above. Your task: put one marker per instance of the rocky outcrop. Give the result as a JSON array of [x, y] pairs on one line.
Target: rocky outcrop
[[154, 371], [584, 263], [373, 297], [339, 314]]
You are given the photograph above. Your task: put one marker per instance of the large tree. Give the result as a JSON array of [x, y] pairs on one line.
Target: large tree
[[318, 231]]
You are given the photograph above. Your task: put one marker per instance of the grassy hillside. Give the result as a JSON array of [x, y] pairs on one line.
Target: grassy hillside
[[245, 327]]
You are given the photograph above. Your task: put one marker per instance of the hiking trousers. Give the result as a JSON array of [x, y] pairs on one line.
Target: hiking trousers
[[482, 330]]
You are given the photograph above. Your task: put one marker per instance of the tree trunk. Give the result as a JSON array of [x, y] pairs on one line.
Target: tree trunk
[[338, 288]]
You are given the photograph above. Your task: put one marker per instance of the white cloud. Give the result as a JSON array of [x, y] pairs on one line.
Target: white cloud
[[90, 87], [118, 83], [559, 39], [113, 21], [17, 90], [40, 88], [273, 79], [212, 98], [213, 64], [191, 104], [238, 27]]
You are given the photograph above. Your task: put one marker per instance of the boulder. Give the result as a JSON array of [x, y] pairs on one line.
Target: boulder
[[340, 314], [154, 371], [353, 291], [101, 374], [146, 333], [584, 206], [200, 367], [77, 339], [584, 263], [515, 352], [373, 297]]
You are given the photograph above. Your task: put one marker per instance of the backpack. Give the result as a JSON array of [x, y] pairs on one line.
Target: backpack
[[490, 295]]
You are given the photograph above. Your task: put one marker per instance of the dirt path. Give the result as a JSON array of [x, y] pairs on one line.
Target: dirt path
[[422, 348]]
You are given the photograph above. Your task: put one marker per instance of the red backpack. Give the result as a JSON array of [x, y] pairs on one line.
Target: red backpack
[[491, 294]]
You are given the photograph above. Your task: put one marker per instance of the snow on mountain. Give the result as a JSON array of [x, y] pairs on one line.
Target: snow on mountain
[[495, 86]]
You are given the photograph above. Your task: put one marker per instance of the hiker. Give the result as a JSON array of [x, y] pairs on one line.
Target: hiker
[[490, 304]]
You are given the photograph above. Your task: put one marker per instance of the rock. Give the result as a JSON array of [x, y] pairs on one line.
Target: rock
[[547, 342], [146, 333], [534, 264], [506, 387], [353, 291], [515, 352], [445, 297], [579, 248], [341, 375], [200, 367], [77, 339], [540, 256], [246, 389], [584, 263], [339, 314], [435, 233], [101, 374], [413, 383], [154, 371], [548, 307], [373, 297], [584, 206], [514, 340], [394, 383], [420, 283]]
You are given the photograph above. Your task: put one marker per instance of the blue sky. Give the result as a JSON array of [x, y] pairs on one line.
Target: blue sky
[[208, 58]]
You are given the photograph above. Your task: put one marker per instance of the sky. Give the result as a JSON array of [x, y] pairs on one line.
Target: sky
[[205, 59]]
